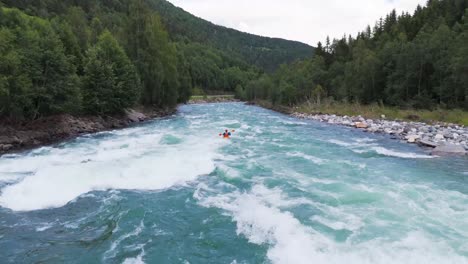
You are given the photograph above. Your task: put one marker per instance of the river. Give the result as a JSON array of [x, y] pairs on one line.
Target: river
[[282, 190]]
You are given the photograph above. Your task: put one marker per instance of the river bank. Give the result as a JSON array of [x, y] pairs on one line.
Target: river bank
[[49, 130], [207, 99], [443, 138]]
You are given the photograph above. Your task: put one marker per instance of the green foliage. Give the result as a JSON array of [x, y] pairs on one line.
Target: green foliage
[[104, 56], [36, 76], [54, 59], [263, 52], [239, 93], [197, 91], [110, 83], [154, 56], [408, 61]]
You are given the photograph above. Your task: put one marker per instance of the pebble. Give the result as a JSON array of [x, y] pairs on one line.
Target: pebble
[[411, 132]]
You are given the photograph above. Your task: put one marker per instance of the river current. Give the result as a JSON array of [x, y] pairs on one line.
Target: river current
[[281, 190]]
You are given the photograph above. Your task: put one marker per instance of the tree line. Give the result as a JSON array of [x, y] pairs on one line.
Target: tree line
[[101, 57], [409, 61]]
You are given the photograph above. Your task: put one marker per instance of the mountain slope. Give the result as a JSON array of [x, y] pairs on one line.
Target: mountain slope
[[263, 52], [266, 53]]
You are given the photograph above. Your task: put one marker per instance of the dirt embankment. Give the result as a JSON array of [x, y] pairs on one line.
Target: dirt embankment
[[53, 129]]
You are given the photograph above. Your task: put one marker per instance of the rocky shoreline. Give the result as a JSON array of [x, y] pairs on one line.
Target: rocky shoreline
[[213, 99], [49, 130], [445, 139]]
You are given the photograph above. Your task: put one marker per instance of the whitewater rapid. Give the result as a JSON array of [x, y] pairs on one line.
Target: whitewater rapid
[[280, 191]]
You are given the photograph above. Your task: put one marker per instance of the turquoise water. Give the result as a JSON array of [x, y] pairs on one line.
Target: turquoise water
[[282, 190]]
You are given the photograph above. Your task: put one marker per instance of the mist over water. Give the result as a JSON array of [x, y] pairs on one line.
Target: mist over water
[[282, 190]]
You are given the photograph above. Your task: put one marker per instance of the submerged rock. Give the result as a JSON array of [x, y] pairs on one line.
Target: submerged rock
[[449, 149]]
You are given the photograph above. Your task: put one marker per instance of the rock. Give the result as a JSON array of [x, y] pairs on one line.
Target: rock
[[427, 143], [439, 137], [347, 123], [424, 129], [361, 125], [6, 147], [383, 116], [5, 140], [388, 130], [412, 138], [134, 116], [449, 149]]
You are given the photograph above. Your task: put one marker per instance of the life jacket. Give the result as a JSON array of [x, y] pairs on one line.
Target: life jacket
[[226, 134]]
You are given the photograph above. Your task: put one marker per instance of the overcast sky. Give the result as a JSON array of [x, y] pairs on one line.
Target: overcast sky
[[308, 21]]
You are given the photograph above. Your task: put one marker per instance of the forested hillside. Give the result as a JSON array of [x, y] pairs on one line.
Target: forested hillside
[[404, 60], [101, 57], [263, 52]]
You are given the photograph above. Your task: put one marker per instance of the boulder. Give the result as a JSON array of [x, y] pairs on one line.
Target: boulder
[[6, 147], [134, 116], [427, 143], [449, 149], [361, 125], [412, 138], [6, 140], [439, 137]]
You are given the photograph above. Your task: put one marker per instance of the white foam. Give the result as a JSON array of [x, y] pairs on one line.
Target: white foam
[[44, 227], [364, 145], [341, 143], [111, 252], [314, 159], [288, 122], [137, 260], [339, 220], [259, 218], [405, 155], [60, 177]]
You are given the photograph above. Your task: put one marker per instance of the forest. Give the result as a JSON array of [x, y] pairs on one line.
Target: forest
[[410, 61], [102, 57]]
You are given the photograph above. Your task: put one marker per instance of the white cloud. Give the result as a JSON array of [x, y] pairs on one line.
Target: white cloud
[[308, 21]]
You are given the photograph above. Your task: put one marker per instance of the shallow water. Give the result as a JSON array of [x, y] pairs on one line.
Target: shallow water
[[282, 190]]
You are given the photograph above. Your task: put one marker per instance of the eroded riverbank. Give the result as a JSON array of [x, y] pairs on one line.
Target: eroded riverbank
[[53, 129]]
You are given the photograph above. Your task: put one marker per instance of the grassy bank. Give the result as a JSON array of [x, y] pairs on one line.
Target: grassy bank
[[375, 112]]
